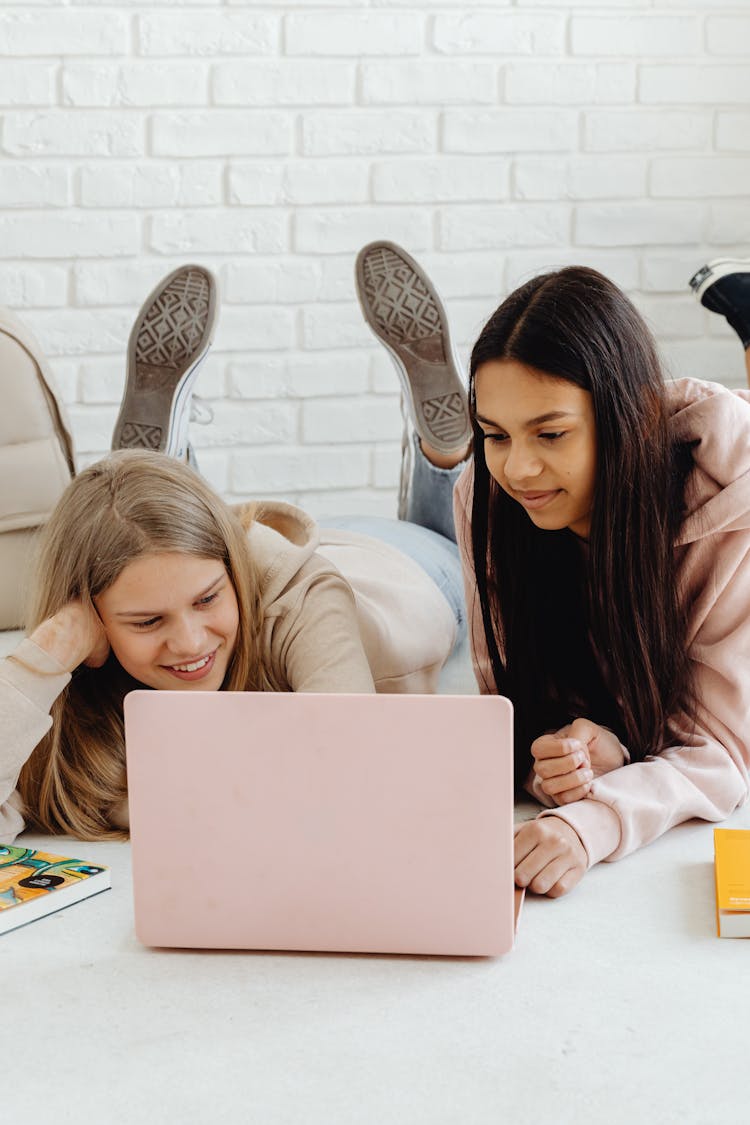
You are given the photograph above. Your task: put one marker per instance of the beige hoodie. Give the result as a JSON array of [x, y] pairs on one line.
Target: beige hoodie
[[708, 774], [383, 627]]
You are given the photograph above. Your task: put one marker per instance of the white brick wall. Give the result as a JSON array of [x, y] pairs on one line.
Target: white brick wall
[[270, 139]]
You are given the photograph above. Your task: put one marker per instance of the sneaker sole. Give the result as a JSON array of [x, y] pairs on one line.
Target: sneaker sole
[[404, 311], [713, 271], [168, 342]]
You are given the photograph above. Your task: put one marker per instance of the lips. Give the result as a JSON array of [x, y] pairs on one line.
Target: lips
[[193, 669], [535, 500]]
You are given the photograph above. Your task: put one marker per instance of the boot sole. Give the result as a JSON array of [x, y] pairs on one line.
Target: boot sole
[[713, 271], [168, 342], [404, 311]]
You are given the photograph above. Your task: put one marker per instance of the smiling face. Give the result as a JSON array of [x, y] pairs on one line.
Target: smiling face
[[539, 442], [172, 621]]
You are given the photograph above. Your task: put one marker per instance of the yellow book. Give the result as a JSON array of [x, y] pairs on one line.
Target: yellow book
[[732, 864]]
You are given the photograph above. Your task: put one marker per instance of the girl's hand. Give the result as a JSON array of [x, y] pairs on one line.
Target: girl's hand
[[73, 636], [567, 761], [549, 856]]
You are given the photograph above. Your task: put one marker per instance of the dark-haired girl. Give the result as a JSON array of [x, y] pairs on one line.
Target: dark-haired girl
[[604, 528]]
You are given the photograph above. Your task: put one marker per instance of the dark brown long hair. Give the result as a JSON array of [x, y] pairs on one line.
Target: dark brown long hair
[[599, 634]]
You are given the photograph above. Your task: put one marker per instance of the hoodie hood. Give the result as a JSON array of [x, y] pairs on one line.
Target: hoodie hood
[[282, 539], [716, 422]]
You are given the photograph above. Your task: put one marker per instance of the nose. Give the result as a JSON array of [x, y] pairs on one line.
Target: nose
[[187, 637], [522, 464]]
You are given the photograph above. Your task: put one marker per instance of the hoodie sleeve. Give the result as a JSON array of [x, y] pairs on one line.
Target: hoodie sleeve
[[30, 681], [706, 774]]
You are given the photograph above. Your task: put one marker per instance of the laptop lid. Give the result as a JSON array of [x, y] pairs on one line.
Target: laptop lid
[[357, 823]]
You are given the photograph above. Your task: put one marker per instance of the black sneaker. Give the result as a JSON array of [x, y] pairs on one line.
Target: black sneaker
[[723, 286], [168, 343], [402, 307]]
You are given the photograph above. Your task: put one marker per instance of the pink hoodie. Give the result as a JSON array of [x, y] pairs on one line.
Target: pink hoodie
[[707, 774]]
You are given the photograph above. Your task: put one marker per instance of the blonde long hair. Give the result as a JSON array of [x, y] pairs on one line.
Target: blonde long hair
[[129, 505]]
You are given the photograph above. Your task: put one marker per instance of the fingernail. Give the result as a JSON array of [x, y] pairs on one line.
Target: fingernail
[[575, 745], [587, 775]]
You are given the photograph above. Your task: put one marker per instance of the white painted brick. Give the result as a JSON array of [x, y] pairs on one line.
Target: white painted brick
[[34, 185], [356, 502], [501, 228], [505, 33], [384, 379], [310, 181], [638, 35], [64, 380], [345, 420], [510, 130], [337, 277], [248, 328], [152, 184], [671, 316], [354, 33], [286, 280], [640, 130], [440, 179], [134, 84], [428, 82], [243, 423], [27, 83], [23, 286], [541, 177], [728, 35], [279, 82], [721, 361], [61, 33], [386, 466], [669, 272], [299, 182], [290, 470], [73, 133], [620, 266], [221, 133], [729, 225], [465, 275], [68, 235], [367, 132], [633, 224], [568, 83], [695, 84], [118, 283], [335, 231], [207, 33], [258, 183], [699, 177], [214, 467], [68, 332], [733, 132], [92, 431], [102, 380], [334, 326], [219, 232], [299, 376]]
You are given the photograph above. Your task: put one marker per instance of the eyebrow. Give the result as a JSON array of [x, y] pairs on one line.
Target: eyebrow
[[551, 416], [156, 613]]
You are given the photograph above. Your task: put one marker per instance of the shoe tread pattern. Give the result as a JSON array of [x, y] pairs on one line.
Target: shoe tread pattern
[[136, 435], [175, 322], [402, 305], [445, 417]]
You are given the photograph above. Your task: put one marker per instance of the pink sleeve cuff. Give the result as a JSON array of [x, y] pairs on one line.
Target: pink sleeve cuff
[[597, 824]]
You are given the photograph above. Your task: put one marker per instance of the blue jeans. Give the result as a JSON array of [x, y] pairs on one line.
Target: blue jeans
[[428, 534]]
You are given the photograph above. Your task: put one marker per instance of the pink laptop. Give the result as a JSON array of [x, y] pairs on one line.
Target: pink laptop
[[350, 823]]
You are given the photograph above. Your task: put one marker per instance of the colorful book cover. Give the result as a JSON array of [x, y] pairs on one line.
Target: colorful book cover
[[732, 861], [34, 883]]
